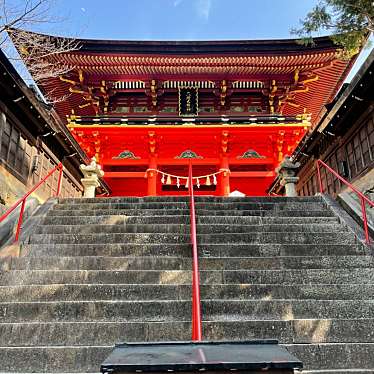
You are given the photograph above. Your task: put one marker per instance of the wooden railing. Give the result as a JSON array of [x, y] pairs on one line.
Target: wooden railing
[[196, 304], [23, 199], [363, 199]]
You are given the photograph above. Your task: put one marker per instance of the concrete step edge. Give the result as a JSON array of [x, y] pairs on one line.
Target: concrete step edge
[[100, 322], [129, 302], [198, 225], [318, 257], [112, 346], [247, 245], [203, 234], [262, 271], [184, 285]]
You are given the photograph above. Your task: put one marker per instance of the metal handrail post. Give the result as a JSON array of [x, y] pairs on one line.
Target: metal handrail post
[[20, 219], [365, 220], [22, 200], [196, 304], [362, 197], [59, 182], [319, 178]]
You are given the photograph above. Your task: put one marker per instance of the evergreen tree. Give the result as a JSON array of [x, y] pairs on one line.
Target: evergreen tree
[[350, 22]]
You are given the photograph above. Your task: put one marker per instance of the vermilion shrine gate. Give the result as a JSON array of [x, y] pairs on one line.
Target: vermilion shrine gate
[[233, 109]]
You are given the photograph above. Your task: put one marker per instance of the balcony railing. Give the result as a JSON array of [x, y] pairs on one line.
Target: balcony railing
[[145, 120]]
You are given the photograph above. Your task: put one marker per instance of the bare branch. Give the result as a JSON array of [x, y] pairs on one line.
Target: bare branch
[[20, 17], [33, 54], [37, 51]]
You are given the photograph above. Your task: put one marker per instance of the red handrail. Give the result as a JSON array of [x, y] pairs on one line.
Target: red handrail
[[364, 199], [22, 200], [196, 305]]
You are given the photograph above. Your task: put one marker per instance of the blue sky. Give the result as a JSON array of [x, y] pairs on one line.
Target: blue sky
[[181, 19], [176, 20]]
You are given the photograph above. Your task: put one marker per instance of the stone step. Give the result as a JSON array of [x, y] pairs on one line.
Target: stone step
[[335, 356], [139, 238], [88, 358], [286, 262], [183, 263], [199, 205], [273, 249], [234, 310], [122, 292], [185, 219], [100, 263], [29, 277], [302, 276], [45, 359], [185, 228], [212, 199], [229, 238], [176, 310], [87, 333], [306, 212], [297, 331], [87, 292], [200, 212], [101, 271], [184, 250], [110, 249], [128, 206]]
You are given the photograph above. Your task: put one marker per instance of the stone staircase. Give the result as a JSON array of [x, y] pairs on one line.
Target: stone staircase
[[100, 271]]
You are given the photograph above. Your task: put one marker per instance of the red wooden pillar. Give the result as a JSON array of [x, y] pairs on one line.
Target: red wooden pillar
[[152, 176], [225, 177]]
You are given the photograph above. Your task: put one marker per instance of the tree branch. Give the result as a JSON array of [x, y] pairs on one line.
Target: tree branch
[[21, 17]]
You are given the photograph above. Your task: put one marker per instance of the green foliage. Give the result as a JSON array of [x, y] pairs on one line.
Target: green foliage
[[350, 22]]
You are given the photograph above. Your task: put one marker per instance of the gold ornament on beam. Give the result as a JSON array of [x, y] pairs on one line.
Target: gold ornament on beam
[[223, 92], [168, 179], [81, 76], [207, 182], [154, 92]]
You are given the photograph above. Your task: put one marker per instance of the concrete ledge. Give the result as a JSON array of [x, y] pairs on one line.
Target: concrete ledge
[[345, 219], [34, 214], [9, 225], [354, 210]]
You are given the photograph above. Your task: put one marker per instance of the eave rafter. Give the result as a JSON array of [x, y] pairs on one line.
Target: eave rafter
[[305, 77]]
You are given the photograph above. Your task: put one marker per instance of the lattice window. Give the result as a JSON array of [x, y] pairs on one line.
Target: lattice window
[[371, 137], [360, 149], [14, 150]]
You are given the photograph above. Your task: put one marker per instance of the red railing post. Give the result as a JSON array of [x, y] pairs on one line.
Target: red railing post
[[365, 220], [362, 197], [196, 304], [61, 168], [22, 200], [20, 218], [319, 177]]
